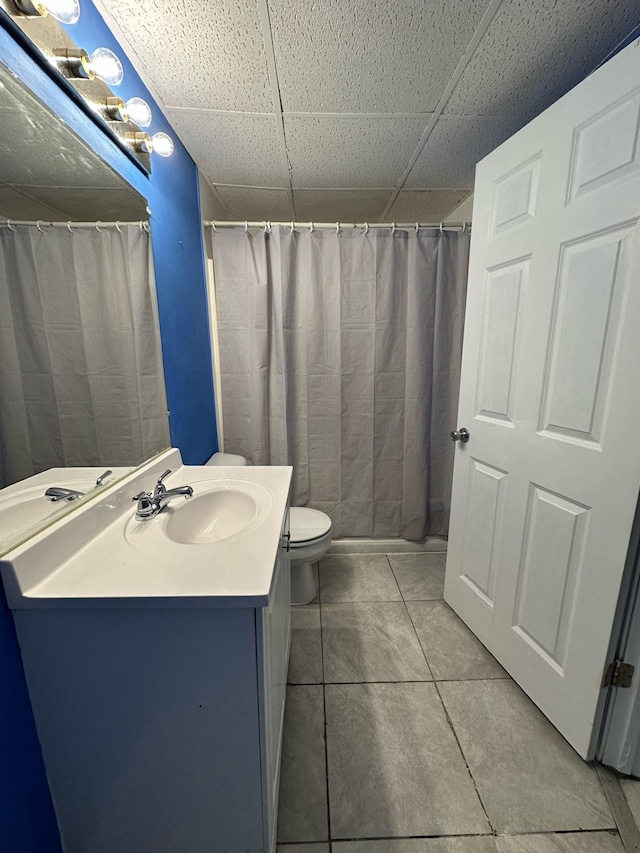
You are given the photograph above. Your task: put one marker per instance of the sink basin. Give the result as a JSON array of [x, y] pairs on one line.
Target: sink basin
[[212, 516], [220, 509]]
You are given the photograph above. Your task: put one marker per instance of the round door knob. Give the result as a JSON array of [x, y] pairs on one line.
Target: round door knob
[[460, 435]]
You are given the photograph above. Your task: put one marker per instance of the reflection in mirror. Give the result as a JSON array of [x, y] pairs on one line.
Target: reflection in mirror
[[81, 381]]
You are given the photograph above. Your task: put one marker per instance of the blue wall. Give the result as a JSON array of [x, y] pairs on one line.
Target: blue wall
[[27, 822]]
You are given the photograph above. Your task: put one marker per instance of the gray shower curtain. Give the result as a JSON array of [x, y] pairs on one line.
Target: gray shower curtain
[[340, 355], [81, 380]]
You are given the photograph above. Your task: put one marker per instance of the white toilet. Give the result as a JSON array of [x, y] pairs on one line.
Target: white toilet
[[310, 539]]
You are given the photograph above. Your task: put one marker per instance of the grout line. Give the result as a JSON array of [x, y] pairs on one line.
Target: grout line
[[324, 710], [483, 26], [627, 829], [267, 37], [464, 758]]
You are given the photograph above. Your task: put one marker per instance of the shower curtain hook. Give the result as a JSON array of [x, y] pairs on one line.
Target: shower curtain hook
[[213, 225], [98, 229], [393, 228], [69, 228], [311, 228], [464, 227], [291, 227], [366, 227], [11, 227], [246, 227], [118, 228], [442, 227], [337, 228], [417, 226], [38, 226]]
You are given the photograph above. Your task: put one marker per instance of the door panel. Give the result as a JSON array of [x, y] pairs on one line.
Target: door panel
[[544, 492]]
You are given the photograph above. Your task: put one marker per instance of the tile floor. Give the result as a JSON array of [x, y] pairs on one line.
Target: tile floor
[[404, 735]]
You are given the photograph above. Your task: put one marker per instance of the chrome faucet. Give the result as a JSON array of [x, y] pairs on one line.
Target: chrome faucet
[[102, 477], [151, 503], [57, 493]]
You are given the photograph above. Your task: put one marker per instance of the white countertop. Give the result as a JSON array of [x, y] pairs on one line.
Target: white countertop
[[101, 557]]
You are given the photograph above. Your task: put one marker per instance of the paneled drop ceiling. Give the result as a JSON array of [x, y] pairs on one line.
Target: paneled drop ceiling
[[358, 110]]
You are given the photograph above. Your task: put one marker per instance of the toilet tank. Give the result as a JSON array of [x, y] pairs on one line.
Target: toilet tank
[[227, 459]]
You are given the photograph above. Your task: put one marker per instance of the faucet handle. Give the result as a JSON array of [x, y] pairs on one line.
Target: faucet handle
[[160, 488], [137, 497]]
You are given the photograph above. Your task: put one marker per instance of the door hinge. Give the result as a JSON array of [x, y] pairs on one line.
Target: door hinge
[[618, 674]]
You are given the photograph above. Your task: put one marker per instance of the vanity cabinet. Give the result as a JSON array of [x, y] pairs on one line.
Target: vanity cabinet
[[161, 725]]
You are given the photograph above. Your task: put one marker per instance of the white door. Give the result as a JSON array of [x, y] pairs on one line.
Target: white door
[[545, 490]]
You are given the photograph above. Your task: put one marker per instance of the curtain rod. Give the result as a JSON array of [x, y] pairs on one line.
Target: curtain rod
[[98, 225], [448, 226]]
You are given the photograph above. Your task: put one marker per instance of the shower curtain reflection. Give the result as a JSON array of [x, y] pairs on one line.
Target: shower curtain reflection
[[340, 354], [81, 379]]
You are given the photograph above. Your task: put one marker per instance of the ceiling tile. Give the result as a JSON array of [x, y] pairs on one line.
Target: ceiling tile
[[533, 53], [232, 149], [335, 206], [16, 205], [251, 203], [424, 205], [378, 56], [195, 54], [350, 152], [87, 205], [455, 146]]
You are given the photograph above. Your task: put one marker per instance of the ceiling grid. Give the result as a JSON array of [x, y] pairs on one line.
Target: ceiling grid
[[345, 109]]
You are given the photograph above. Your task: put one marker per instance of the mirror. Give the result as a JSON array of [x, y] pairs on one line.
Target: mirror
[[72, 346]]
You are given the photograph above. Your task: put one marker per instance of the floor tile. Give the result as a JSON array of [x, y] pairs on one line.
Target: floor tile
[[357, 577], [302, 848], [631, 790], [302, 814], [451, 649], [569, 842], [395, 768], [420, 576], [529, 778], [371, 641], [305, 663], [468, 844]]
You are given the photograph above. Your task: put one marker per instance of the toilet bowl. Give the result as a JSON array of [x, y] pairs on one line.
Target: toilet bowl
[[310, 539]]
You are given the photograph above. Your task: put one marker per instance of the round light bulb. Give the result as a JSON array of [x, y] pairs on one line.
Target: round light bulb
[[107, 66], [139, 112], [65, 11], [162, 144]]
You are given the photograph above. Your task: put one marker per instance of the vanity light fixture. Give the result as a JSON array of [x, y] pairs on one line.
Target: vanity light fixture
[[139, 112], [73, 62], [162, 144], [107, 66], [159, 143], [111, 109], [76, 62], [65, 11], [140, 142]]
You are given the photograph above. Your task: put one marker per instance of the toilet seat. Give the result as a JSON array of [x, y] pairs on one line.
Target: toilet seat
[[307, 526]]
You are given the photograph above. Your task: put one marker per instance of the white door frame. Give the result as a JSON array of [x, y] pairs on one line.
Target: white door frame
[[619, 710]]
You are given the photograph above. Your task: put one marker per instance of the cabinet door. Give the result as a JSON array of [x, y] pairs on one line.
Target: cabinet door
[[276, 636]]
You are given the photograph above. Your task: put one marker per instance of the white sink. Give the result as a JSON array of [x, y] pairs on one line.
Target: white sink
[[217, 548], [220, 509]]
